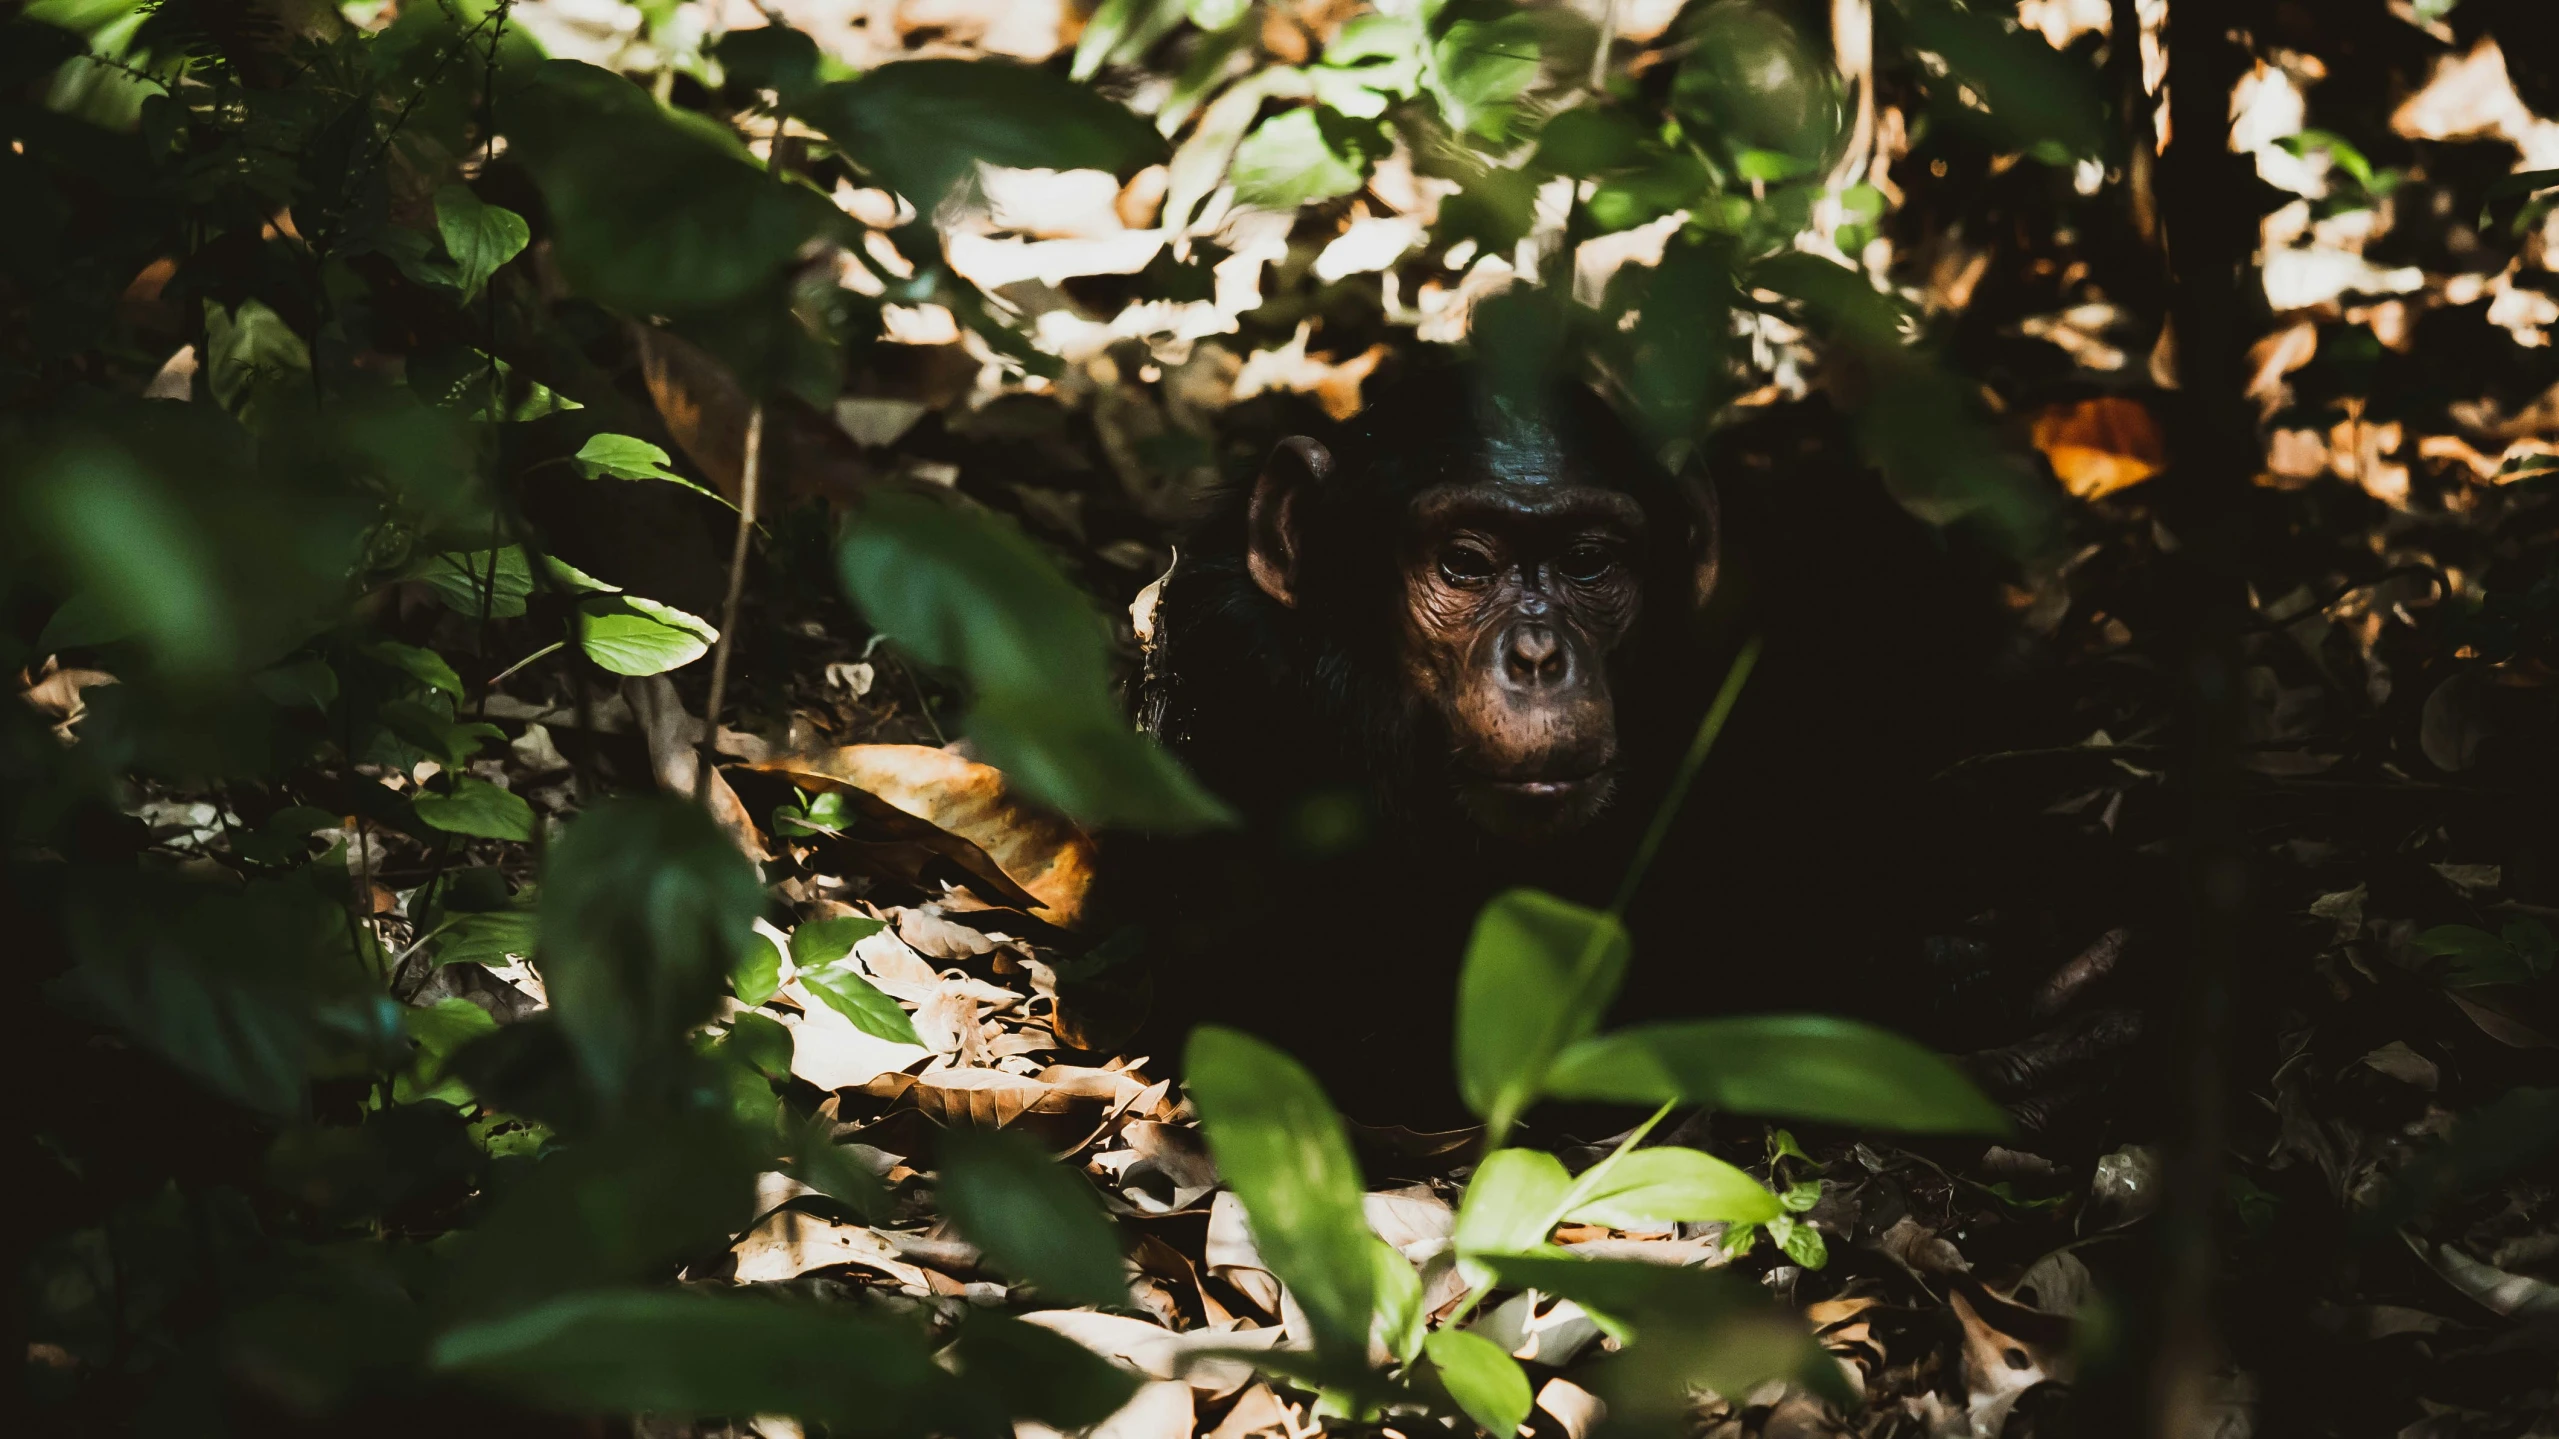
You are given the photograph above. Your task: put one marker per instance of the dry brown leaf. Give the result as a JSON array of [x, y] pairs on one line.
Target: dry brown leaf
[[2101, 445], [806, 455], [789, 1244], [1037, 856], [1259, 1412], [1575, 1410], [54, 692]]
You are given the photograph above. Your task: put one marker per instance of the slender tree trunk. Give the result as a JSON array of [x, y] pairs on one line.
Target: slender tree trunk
[[2208, 215]]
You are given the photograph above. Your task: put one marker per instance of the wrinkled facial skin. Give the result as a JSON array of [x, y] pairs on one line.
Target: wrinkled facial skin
[[1516, 589]]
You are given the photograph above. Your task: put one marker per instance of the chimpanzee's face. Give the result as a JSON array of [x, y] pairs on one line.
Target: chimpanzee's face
[[1516, 589]]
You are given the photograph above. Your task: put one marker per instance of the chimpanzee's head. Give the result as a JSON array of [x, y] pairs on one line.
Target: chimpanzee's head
[[1487, 559]]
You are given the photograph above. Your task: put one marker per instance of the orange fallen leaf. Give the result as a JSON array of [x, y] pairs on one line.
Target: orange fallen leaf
[[1038, 855], [2101, 445]]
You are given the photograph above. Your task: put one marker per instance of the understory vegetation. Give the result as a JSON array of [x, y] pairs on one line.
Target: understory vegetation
[[572, 569]]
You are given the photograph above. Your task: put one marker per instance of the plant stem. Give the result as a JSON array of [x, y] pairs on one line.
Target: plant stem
[[1707, 729], [546, 650], [747, 482]]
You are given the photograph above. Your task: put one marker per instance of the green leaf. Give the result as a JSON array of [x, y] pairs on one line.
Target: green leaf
[[691, 1354], [1301, 156], [2519, 955], [645, 907], [1652, 1188], [1480, 68], [923, 125], [771, 57], [426, 726], [757, 975], [464, 579], [304, 683], [1123, 30], [493, 937], [632, 636], [475, 807], [1790, 1066], [1539, 973], [423, 665], [440, 1030], [1801, 1241], [851, 994], [255, 364], [965, 590], [2040, 100], [1280, 1145], [479, 236], [1514, 1198], [1036, 1219], [1753, 82], [819, 942], [1037, 1374], [1399, 1317], [652, 211], [622, 457], [1487, 1383]]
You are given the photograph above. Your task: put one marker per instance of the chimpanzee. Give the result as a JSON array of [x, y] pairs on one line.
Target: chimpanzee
[[1461, 646]]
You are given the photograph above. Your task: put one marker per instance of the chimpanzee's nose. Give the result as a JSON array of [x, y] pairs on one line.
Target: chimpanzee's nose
[[1534, 656]]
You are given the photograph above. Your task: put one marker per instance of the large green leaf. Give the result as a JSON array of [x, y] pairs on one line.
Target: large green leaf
[[653, 211], [1515, 1196], [1280, 1145], [819, 942], [1539, 973], [232, 984], [467, 581], [475, 807], [2039, 99], [680, 1353], [1785, 1066], [1023, 1371], [494, 937], [644, 908], [1301, 156], [968, 591], [623, 457], [850, 993], [632, 636], [1487, 1383], [923, 125], [479, 236], [1754, 84], [1033, 1216], [1650, 1188]]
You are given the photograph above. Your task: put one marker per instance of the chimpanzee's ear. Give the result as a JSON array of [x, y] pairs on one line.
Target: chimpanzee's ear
[[1272, 534], [1706, 544]]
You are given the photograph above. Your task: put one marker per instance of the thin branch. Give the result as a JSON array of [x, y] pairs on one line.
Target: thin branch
[[750, 475]]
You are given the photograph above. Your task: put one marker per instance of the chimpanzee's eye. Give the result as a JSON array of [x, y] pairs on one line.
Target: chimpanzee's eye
[[1584, 564], [1465, 565]]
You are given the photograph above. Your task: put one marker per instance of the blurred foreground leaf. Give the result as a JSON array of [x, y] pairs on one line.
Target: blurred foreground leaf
[[967, 591], [1539, 973], [1281, 1146], [1035, 1218], [631, 1351], [645, 907]]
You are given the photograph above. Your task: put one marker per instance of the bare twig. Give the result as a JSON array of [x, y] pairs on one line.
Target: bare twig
[[749, 475]]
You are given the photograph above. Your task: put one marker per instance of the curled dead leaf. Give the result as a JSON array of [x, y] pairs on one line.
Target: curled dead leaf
[[961, 811], [2101, 445]]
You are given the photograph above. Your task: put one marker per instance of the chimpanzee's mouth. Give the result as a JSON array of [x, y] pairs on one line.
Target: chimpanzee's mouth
[[1545, 788], [1538, 807]]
